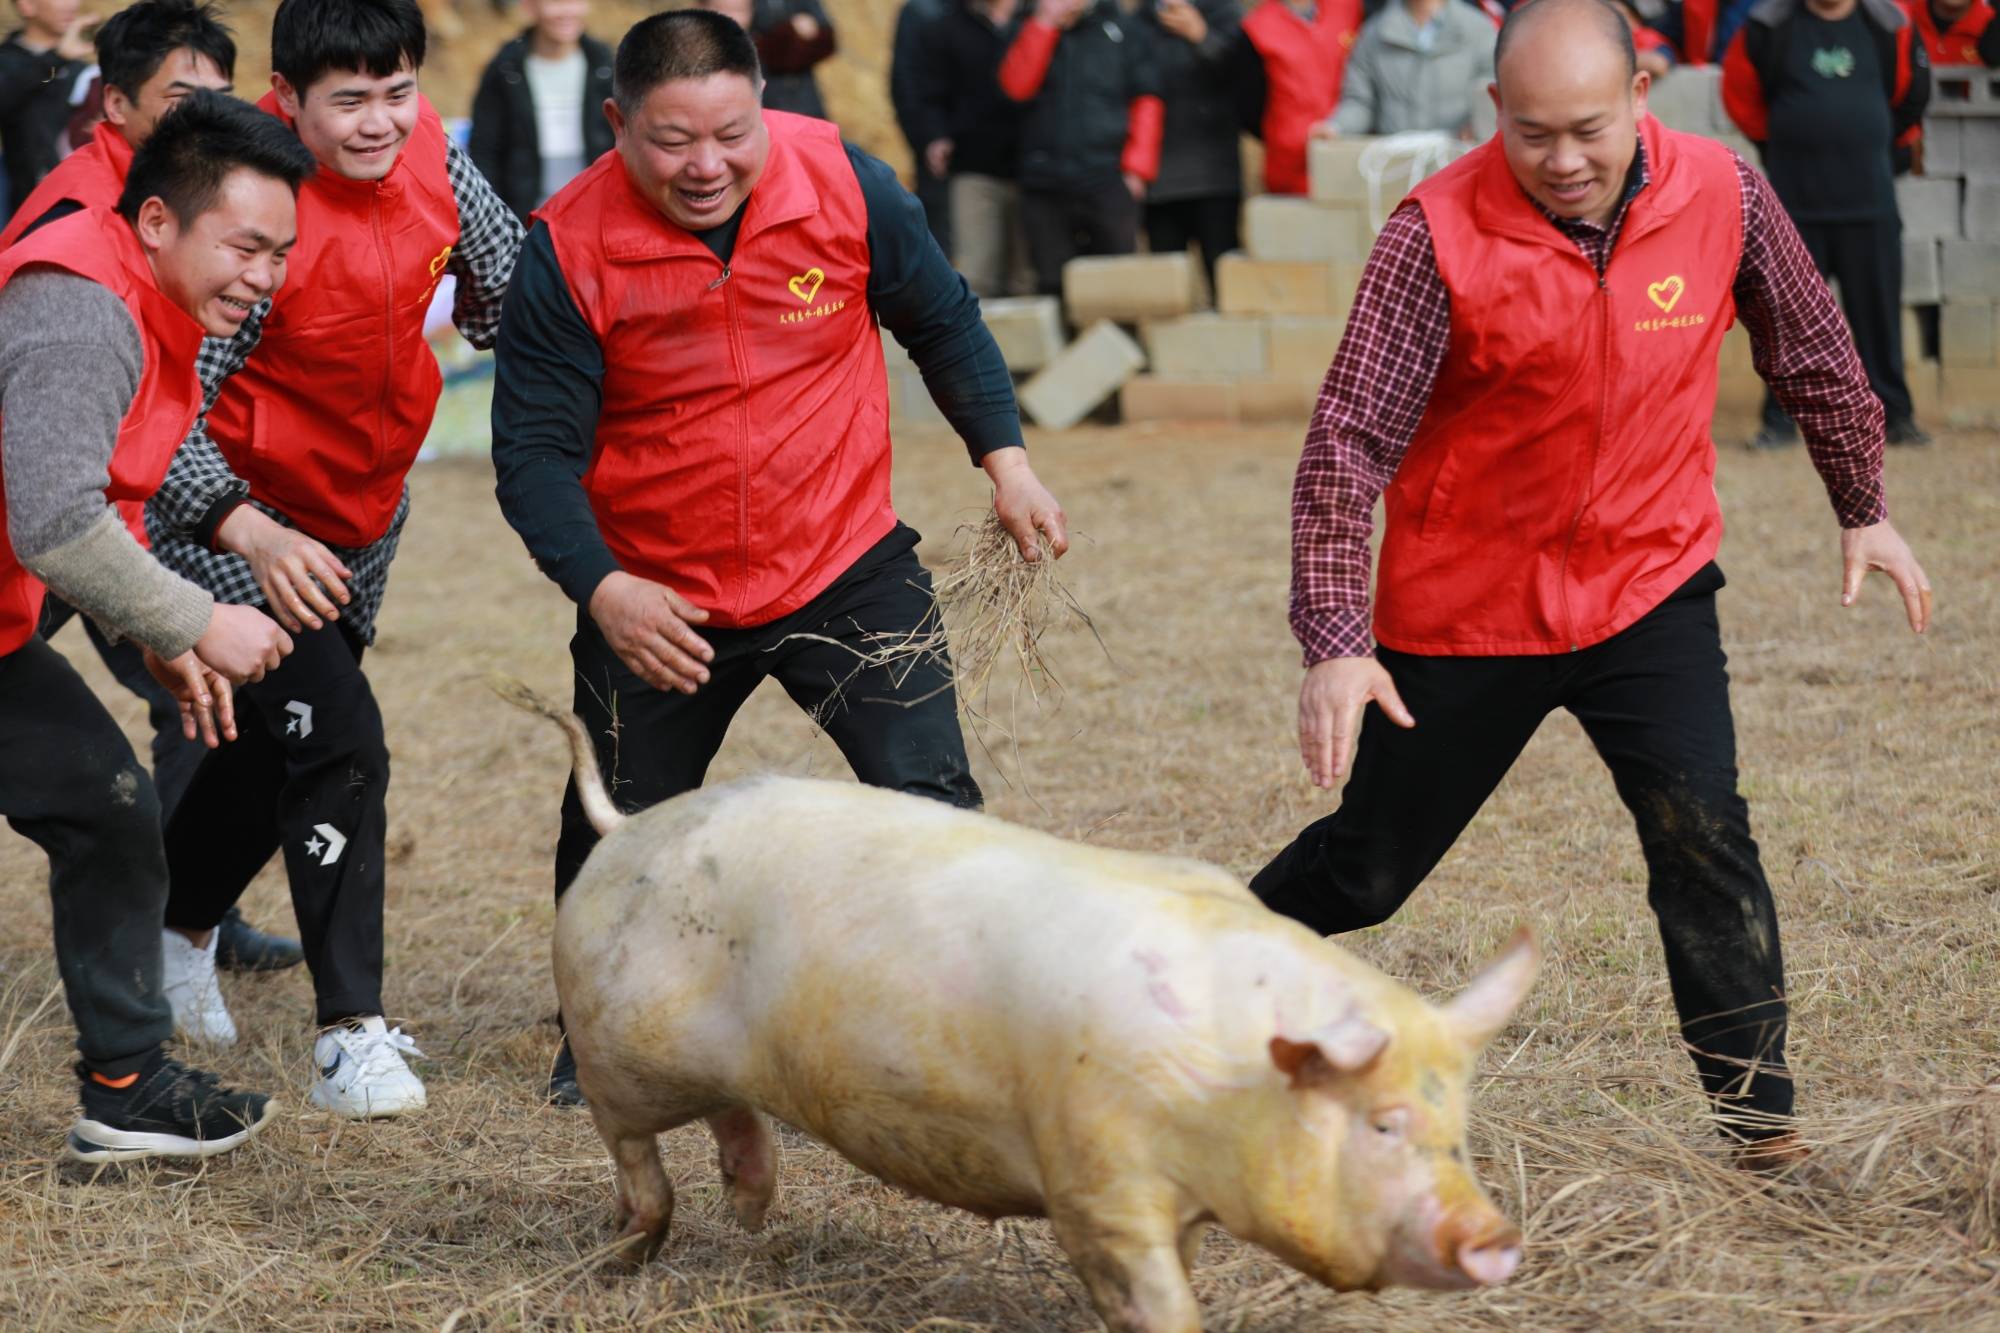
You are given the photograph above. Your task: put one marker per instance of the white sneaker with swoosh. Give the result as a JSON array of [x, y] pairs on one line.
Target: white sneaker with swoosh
[[361, 1073]]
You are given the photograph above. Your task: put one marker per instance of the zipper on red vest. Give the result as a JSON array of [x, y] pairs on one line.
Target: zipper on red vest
[[742, 361], [1596, 447], [388, 326]]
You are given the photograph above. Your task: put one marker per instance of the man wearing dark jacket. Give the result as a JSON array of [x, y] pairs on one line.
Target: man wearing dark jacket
[[538, 118], [718, 527], [1833, 92], [910, 54], [1199, 191], [39, 61], [1090, 144], [973, 138]]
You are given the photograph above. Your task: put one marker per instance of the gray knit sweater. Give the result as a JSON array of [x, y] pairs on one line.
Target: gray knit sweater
[[70, 363]]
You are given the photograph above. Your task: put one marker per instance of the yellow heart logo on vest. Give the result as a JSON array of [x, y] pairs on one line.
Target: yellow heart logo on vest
[[806, 285], [1665, 292]]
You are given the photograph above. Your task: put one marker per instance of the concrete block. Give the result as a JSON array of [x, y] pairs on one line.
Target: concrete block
[[1982, 209], [1920, 271], [1303, 345], [1979, 147], [1207, 347], [1129, 288], [1246, 286], [1944, 137], [1278, 398], [1969, 271], [1333, 166], [1926, 384], [1967, 336], [1971, 397], [1289, 231], [1965, 90], [1029, 329], [1158, 398], [1929, 206], [1082, 375]]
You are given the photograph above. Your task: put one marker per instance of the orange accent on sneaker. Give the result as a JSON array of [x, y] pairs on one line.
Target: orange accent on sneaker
[[119, 1083]]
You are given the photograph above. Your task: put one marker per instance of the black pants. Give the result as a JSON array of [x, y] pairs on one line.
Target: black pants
[[174, 755], [1654, 700], [70, 783], [897, 733], [1212, 223], [308, 774], [1866, 258], [1062, 224]]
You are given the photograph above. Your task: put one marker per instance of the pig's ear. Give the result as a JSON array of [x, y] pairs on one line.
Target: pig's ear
[[1344, 1047], [1483, 1008]]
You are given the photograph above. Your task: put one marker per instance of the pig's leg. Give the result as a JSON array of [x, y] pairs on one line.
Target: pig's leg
[[749, 1160], [644, 1199], [1133, 1267]]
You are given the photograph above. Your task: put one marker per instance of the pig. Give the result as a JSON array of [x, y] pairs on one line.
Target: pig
[[1131, 1046]]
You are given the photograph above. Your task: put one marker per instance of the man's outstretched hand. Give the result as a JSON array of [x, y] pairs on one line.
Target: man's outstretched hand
[[1335, 694], [1024, 505], [1880, 546]]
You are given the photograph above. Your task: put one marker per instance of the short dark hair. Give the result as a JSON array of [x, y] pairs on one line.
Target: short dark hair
[[679, 44], [196, 145], [310, 37], [136, 41], [1609, 20]]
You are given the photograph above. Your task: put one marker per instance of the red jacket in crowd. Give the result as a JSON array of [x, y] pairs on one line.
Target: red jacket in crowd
[[1303, 64], [1956, 45]]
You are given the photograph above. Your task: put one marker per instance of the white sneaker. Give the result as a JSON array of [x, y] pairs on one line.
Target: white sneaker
[[187, 975], [361, 1071]]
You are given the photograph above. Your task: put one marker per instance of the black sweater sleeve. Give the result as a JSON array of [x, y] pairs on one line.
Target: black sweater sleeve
[[548, 388], [922, 300]]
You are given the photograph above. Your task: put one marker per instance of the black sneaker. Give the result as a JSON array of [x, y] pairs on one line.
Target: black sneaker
[[241, 947], [166, 1110], [563, 1090]]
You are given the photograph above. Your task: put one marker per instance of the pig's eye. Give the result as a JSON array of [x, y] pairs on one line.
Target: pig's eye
[[1390, 1125]]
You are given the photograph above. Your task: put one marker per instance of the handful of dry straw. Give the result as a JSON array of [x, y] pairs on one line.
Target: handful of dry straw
[[991, 605]]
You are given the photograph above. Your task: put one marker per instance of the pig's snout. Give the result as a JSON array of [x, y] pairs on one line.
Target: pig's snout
[[1491, 1264], [1480, 1247]]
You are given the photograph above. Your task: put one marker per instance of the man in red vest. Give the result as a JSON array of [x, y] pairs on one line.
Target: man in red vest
[[1951, 29], [293, 498], [691, 430], [1529, 374], [1289, 65], [152, 54], [101, 315]]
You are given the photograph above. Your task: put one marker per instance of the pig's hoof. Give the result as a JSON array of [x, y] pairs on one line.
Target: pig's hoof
[[750, 1212], [640, 1241]]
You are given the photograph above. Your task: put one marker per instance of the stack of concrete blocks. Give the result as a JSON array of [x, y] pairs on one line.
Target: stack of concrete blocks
[[1281, 305], [1951, 249], [1105, 296]]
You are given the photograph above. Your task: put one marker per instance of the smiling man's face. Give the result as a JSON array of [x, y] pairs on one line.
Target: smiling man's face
[[355, 122], [695, 147], [1569, 117]]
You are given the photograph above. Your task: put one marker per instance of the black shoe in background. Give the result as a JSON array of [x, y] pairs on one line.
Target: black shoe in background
[[1908, 432], [241, 947], [563, 1090], [164, 1110]]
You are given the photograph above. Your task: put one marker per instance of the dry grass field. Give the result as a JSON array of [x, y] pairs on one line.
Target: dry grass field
[[1868, 757]]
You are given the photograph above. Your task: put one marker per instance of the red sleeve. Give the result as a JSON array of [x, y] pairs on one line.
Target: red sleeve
[[1026, 63], [1697, 31], [1145, 127], [1743, 92]]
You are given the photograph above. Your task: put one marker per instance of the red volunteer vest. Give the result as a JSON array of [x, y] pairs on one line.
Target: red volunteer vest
[[1956, 45], [329, 413], [1561, 482], [98, 245], [94, 176], [742, 453], [1303, 64]]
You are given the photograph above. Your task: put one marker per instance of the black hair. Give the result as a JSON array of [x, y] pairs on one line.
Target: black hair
[[311, 37], [679, 44], [1614, 28], [196, 145], [136, 41]]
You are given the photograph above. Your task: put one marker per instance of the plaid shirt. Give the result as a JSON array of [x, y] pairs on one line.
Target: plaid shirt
[[200, 490], [1380, 384]]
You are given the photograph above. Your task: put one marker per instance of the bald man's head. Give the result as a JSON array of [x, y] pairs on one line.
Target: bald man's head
[[1577, 22], [1570, 96]]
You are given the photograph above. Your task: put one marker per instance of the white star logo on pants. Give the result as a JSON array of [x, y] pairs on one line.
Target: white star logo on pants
[[335, 843], [301, 724]]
